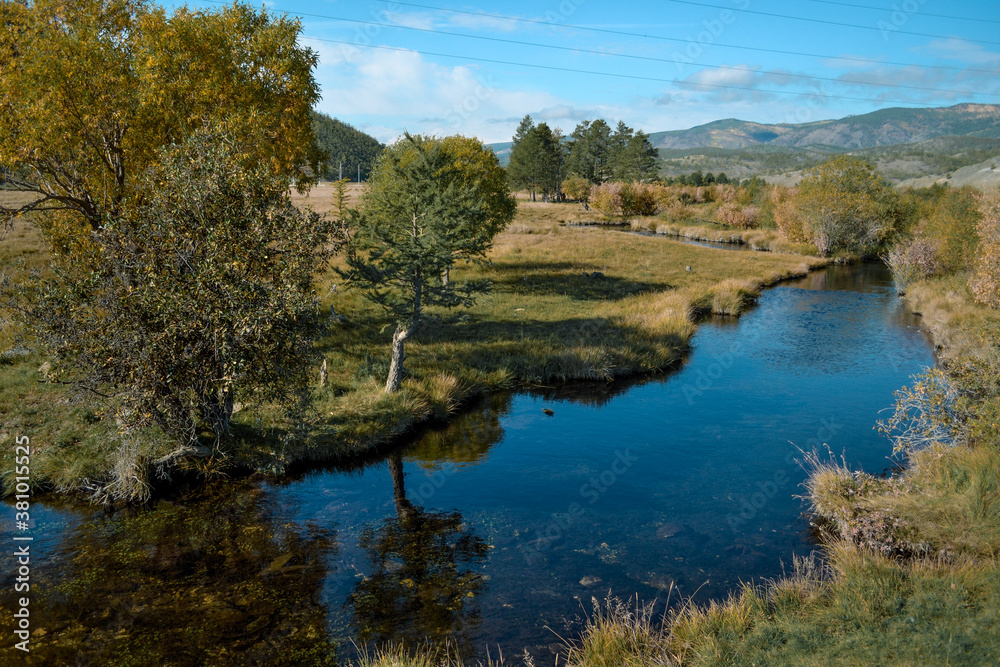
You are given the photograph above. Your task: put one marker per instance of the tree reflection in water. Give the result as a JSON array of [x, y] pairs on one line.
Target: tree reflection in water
[[220, 579], [421, 586]]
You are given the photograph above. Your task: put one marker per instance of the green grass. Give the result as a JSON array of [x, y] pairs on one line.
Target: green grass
[[544, 322]]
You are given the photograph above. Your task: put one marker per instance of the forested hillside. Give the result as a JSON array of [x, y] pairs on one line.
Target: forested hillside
[[344, 144]]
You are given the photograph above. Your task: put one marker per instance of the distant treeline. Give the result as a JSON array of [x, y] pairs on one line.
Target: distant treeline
[[344, 145], [542, 158], [696, 178]]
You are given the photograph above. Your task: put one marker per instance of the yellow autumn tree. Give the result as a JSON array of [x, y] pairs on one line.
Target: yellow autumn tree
[[847, 206], [91, 90], [985, 281]]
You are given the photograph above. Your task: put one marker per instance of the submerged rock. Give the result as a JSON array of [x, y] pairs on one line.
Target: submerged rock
[[668, 530], [590, 581]]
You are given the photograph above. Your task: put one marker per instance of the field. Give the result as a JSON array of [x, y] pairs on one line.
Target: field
[[548, 319]]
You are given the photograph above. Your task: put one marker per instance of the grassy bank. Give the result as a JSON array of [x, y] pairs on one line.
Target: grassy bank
[[769, 240], [568, 303]]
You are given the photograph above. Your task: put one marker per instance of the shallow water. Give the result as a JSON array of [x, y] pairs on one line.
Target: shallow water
[[497, 530]]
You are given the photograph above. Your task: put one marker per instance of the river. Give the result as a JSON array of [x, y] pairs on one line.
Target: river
[[497, 531]]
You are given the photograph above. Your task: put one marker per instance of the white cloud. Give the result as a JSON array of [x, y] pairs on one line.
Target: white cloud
[[962, 51], [388, 92]]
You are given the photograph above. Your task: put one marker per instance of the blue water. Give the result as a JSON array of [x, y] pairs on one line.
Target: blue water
[[509, 521]]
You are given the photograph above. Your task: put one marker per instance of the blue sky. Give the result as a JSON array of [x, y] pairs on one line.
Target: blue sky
[[681, 57]]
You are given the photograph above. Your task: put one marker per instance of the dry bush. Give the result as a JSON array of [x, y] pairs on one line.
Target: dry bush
[[607, 198], [725, 193], [680, 212], [577, 188], [985, 281], [742, 217], [912, 261], [787, 217], [626, 199]]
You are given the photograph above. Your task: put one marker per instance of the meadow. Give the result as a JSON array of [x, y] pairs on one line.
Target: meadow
[[568, 303]]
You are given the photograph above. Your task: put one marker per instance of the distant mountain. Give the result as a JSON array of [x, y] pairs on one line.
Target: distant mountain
[[502, 150], [903, 144], [938, 158], [344, 145], [879, 128]]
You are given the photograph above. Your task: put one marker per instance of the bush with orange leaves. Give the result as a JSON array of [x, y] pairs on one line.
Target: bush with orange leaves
[[985, 281], [741, 217], [787, 217], [616, 199]]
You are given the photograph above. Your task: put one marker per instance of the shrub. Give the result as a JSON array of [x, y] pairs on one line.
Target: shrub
[[626, 199], [678, 211], [985, 282], [912, 261], [577, 187], [787, 216], [925, 414], [607, 198], [951, 222], [639, 199], [742, 217], [848, 207], [725, 193]]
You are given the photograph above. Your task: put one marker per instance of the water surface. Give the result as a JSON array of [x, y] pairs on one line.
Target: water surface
[[496, 531]]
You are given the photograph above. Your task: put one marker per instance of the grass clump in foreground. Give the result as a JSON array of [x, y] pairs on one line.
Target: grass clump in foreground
[[856, 608], [547, 319]]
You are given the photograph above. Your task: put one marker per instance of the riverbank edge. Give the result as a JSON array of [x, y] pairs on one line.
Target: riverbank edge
[[446, 398], [763, 240]]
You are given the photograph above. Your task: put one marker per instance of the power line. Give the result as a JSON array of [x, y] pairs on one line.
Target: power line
[[689, 41], [645, 58], [977, 19], [824, 21], [608, 74]]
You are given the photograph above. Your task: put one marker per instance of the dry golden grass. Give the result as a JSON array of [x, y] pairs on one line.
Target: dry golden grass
[[770, 240], [321, 197], [952, 316], [13, 198]]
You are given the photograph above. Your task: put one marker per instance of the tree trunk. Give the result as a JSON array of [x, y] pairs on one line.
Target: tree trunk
[[403, 331], [532, 196], [446, 277], [404, 508], [395, 378], [217, 411]]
